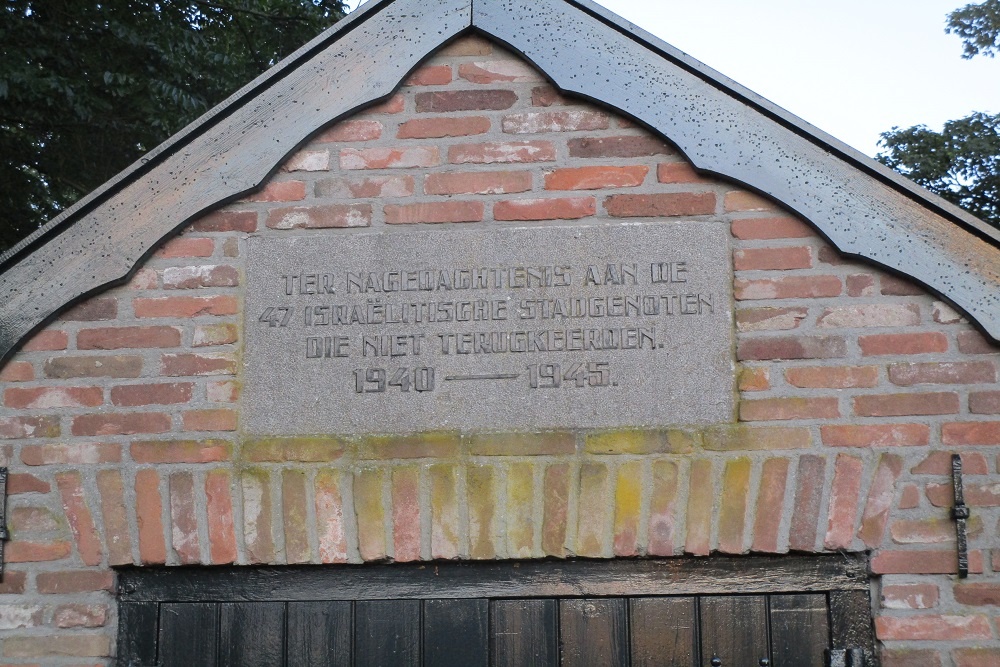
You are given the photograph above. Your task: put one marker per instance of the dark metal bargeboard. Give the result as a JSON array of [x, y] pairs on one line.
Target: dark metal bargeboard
[[489, 329]]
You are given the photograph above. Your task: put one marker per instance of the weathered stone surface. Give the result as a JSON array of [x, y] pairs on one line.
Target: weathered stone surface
[[514, 329]]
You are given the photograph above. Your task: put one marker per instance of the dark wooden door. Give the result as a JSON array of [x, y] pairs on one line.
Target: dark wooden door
[[512, 624]]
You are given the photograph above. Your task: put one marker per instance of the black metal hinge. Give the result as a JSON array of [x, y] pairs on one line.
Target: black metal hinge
[[960, 512], [4, 535]]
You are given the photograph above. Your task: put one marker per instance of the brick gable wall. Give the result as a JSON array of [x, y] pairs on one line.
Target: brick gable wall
[[120, 421]]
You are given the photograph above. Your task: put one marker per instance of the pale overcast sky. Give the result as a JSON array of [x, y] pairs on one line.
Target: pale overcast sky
[[853, 68]]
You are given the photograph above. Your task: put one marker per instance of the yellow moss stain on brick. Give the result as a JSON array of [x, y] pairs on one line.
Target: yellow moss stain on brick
[[520, 510]]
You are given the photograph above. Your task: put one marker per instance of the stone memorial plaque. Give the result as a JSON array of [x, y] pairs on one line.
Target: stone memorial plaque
[[512, 329]]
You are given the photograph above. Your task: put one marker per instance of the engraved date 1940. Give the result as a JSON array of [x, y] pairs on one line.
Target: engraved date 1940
[[540, 376]]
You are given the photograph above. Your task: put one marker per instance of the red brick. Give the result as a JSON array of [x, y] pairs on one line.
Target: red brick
[[545, 209], [36, 552], [224, 221], [610, 147], [114, 510], [760, 229], [31, 520], [910, 596], [678, 172], [436, 128], [808, 496], [187, 246], [977, 495], [257, 516], [13, 582], [860, 284], [768, 409], [206, 335], [546, 96], [434, 212], [81, 521], [893, 286], [923, 562], [121, 423], [843, 502], [183, 518], [180, 451], [477, 183], [406, 514], [976, 657], [295, 516], [933, 628], [945, 314], [370, 187], [44, 398], [701, 498], [85, 453], [178, 365], [93, 310], [149, 509], [320, 217], [308, 161], [880, 497], [939, 463], [970, 433], [909, 657], [225, 391], [876, 435], [789, 287], [984, 402], [15, 428], [221, 532], [186, 306], [595, 178], [973, 342], [903, 405], [773, 259], [741, 201], [733, 505], [555, 509], [80, 616], [92, 366], [393, 105], [978, 594], [430, 75], [536, 122], [915, 343], [961, 372], [64, 582], [754, 379], [744, 437], [276, 191], [770, 501], [663, 205], [769, 319], [791, 347], [23, 482], [17, 371], [498, 71], [832, 377], [355, 130], [195, 277], [151, 394], [465, 100], [330, 517], [210, 420], [46, 340], [128, 337], [931, 531], [507, 152], [390, 158]]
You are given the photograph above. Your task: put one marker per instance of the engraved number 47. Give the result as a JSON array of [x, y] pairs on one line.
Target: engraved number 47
[[276, 317]]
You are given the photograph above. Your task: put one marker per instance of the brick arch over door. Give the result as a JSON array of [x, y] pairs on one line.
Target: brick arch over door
[[722, 128]]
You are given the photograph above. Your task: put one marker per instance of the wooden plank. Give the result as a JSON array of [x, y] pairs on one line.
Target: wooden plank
[[664, 632], [189, 634], [456, 633], [594, 632], [230, 156], [525, 633], [137, 633], [320, 634], [251, 634], [800, 629], [387, 633], [734, 628], [672, 576], [860, 206], [851, 623]]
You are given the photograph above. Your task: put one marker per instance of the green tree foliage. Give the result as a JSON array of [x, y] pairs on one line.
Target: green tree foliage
[[979, 27], [88, 86], [962, 162]]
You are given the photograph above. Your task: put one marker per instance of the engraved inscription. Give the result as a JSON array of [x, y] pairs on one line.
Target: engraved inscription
[[512, 329]]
